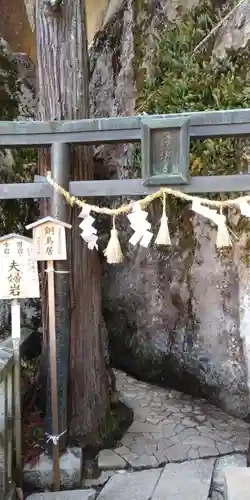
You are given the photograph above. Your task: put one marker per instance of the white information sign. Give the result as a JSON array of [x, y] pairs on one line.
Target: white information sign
[[49, 242], [49, 239], [18, 268]]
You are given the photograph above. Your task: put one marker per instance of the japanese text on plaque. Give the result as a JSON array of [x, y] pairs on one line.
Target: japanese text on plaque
[[18, 269]]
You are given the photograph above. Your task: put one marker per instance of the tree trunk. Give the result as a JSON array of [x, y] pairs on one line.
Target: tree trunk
[[62, 72]]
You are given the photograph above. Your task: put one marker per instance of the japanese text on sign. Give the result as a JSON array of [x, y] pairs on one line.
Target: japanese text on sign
[[49, 242], [18, 269]]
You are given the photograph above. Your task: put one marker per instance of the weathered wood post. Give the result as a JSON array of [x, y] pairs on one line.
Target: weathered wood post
[[49, 240], [59, 209], [19, 280], [16, 335]]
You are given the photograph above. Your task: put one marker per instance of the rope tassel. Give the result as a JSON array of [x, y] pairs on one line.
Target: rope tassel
[[113, 251], [223, 238], [163, 236]]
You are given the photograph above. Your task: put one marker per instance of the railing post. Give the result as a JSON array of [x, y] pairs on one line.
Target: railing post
[[10, 402], [5, 434], [17, 414], [6, 357], [16, 338], [60, 168]]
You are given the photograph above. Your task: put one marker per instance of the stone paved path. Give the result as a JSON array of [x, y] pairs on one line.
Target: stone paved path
[[162, 484], [185, 443], [177, 448], [172, 427]]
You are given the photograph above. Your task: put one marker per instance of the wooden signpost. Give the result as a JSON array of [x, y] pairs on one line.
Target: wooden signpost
[[18, 280], [49, 243]]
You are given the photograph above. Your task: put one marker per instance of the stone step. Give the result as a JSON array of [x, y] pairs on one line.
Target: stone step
[[237, 483], [185, 481], [64, 495], [131, 485], [177, 481], [110, 460]]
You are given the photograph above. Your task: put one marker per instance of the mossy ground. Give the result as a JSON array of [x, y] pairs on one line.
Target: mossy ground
[[117, 421]]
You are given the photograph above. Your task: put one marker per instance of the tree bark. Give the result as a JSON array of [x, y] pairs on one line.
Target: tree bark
[[63, 79]]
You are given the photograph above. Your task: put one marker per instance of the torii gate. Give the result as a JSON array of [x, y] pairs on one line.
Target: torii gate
[[165, 153]]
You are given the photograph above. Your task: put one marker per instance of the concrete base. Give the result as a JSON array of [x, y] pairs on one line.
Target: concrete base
[[237, 483], [40, 475]]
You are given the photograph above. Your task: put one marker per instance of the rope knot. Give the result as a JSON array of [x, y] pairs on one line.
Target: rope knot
[[55, 439]]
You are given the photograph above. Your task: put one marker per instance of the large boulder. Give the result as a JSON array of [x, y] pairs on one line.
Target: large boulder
[[174, 316]]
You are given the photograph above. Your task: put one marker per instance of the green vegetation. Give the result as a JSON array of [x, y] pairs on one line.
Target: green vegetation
[[8, 86], [117, 421], [184, 81], [15, 165]]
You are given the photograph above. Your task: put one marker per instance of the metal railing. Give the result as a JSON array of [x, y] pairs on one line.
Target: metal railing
[[11, 470]]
